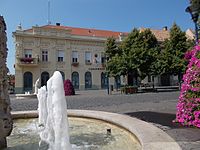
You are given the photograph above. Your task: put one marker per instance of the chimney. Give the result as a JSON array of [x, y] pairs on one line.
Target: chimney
[[19, 27], [57, 24], [165, 28]]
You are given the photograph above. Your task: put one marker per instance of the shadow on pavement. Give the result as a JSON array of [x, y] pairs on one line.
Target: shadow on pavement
[[164, 119], [187, 137]]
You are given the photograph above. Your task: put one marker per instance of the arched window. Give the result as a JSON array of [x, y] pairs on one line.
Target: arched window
[[104, 81], [63, 75], [88, 80], [75, 80], [44, 78], [28, 81]]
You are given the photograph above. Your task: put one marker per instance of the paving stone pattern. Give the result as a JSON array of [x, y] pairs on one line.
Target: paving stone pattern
[[157, 108]]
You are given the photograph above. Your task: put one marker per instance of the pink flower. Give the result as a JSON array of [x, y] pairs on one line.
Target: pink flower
[[188, 107], [188, 55]]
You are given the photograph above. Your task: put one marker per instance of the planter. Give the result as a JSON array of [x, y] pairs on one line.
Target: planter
[[26, 60], [129, 90], [75, 64]]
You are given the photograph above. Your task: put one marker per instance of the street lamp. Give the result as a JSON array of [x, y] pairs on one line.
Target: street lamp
[[194, 12], [107, 76]]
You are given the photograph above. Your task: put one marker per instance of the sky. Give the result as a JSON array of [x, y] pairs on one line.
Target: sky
[[115, 15]]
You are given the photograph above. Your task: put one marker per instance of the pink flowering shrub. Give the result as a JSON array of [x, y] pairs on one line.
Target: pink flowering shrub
[[188, 55], [188, 107], [68, 87]]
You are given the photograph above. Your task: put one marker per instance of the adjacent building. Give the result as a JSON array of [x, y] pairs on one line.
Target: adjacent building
[[78, 53]]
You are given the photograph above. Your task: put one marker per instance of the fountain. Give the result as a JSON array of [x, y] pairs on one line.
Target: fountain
[[28, 94], [88, 129], [52, 114], [5, 116]]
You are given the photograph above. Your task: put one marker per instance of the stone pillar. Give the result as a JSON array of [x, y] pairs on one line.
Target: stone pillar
[[5, 116]]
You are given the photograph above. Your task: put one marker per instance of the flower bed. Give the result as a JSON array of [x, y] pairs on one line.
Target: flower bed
[[26, 60], [188, 107], [68, 87], [129, 89]]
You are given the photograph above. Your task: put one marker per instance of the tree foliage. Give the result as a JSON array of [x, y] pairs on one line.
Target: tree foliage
[[111, 48], [171, 60], [140, 54], [135, 54], [148, 53], [113, 53]]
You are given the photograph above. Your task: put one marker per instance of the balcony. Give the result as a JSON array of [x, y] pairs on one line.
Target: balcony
[[32, 62], [75, 64]]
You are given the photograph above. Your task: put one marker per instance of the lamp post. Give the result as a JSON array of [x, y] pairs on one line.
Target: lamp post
[[108, 90], [107, 76], [194, 10]]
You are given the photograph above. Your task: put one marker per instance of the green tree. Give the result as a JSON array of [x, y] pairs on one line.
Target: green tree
[[133, 57], [148, 53], [111, 52], [131, 49], [171, 60], [111, 47], [190, 44]]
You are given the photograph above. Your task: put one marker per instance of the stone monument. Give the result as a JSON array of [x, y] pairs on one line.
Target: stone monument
[[5, 115]]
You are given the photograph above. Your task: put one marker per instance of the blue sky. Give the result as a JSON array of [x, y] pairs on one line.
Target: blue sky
[[116, 15]]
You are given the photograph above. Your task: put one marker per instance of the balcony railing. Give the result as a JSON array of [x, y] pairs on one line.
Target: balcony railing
[[22, 61], [75, 64]]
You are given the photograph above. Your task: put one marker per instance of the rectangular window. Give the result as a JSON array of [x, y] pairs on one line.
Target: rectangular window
[[60, 56], [28, 53], [103, 58], [88, 57], [74, 57], [44, 55]]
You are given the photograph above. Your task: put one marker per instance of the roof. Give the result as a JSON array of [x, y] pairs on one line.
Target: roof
[[190, 34], [161, 35], [86, 31]]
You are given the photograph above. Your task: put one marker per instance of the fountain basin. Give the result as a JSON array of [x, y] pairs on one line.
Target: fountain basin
[[25, 96], [148, 136]]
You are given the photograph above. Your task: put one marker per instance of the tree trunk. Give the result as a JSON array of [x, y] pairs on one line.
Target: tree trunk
[[153, 82]]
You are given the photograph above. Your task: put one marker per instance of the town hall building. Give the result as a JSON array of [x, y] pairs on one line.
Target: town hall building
[[78, 53]]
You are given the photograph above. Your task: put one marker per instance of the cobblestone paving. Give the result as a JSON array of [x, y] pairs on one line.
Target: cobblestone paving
[[157, 108]]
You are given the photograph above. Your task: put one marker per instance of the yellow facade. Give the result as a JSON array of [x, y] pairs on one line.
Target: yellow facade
[[41, 51], [76, 52]]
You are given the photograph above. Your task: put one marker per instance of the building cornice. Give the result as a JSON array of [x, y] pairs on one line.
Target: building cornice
[[69, 37]]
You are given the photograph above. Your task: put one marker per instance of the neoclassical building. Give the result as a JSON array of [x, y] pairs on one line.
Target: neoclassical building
[[78, 53]]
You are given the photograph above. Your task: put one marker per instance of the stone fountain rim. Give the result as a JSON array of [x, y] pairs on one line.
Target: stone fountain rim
[[149, 136]]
